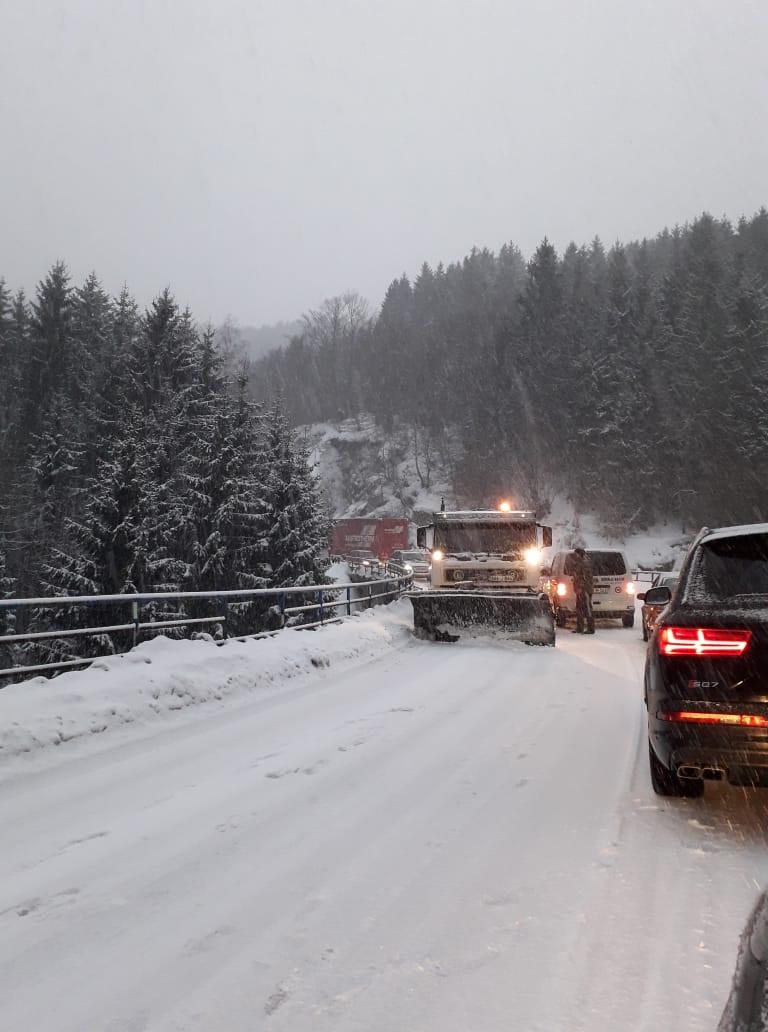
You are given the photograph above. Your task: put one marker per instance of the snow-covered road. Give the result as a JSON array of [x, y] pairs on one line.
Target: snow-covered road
[[455, 838]]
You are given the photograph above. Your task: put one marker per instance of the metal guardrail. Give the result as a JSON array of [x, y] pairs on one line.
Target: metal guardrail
[[372, 568], [323, 604]]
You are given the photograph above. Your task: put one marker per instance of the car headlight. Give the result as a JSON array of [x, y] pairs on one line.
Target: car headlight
[[533, 556], [408, 568]]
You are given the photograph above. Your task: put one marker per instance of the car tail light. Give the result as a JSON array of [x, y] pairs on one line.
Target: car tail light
[[697, 717], [562, 589], [703, 641]]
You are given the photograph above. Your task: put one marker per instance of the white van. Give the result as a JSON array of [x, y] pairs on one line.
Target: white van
[[613, 596]]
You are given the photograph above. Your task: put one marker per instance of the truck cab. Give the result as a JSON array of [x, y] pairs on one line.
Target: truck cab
[[485, 549]]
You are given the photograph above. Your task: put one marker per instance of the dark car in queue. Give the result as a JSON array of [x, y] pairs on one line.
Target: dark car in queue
[[649, 614], [706, 673], [361, 557]]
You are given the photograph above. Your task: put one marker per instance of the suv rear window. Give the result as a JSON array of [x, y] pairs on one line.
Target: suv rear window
[[607, 564], [604, 564], [728, 567]]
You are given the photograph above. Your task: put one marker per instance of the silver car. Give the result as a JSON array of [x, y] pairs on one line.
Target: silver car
[[414, 558]]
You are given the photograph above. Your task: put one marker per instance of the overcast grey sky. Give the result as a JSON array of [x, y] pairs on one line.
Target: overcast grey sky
[[260, 156]]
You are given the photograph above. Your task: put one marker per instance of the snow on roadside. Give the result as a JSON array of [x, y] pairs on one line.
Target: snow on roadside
[[338, 573], [162, 676]]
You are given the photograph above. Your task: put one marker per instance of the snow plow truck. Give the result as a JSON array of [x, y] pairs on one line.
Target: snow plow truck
[[486, 566]]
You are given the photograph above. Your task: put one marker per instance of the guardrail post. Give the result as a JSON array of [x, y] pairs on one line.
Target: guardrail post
[[135, 618], [370, 600], [281, 604], [224, 618], [349, 601], [322, 610]]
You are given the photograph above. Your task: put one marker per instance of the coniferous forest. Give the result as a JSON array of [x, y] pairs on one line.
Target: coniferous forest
[[131, 462], [633, 380], [134, 459]]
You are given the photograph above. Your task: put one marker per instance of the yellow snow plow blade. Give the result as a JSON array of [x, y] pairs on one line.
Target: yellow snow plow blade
[[446, 615]]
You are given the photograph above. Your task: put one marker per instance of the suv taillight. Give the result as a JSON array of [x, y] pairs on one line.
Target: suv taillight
[[703, 641]]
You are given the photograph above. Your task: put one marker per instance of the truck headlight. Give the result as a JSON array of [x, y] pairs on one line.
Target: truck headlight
[[437, 554], [533, 556]]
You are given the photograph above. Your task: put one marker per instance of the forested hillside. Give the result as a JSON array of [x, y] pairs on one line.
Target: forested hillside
[[130, 462], [632, 380]]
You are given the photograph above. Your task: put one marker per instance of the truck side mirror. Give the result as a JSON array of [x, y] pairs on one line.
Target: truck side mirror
[[546, 537], [421, 537]]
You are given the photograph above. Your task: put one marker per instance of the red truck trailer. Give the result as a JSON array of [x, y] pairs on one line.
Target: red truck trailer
[[379, 536]]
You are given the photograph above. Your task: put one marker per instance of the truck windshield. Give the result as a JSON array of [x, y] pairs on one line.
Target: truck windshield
[[485, 537]]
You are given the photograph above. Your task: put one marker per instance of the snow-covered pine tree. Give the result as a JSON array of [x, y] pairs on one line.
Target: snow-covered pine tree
[[164, 356], [613, 442], [47, 359], [7, 359], [6, 582], [15, 348], [113, 397], [91, 314], [297, 529], [8, 389], [54, 465], [7, 621], [111, 558], [91, 345], [219, 511], [108, 551], [163, 392]]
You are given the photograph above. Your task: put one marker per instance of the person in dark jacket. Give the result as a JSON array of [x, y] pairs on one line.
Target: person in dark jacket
[[583, 586]]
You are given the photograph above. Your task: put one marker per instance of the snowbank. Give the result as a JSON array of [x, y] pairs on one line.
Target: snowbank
[[161, 676], [338, 573]]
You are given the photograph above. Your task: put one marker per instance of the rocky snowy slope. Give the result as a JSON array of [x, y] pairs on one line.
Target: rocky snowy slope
[[367, 471]]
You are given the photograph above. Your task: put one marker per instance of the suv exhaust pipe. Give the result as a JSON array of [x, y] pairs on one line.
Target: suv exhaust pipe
[[693, 772]]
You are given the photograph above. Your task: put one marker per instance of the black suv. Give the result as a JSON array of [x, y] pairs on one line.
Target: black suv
[[706, 673]]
